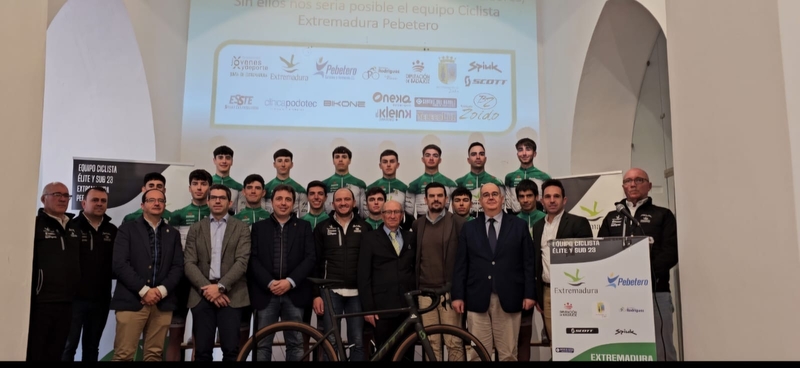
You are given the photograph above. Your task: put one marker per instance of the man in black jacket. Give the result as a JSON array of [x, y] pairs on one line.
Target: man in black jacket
[[90, 307], [148, 262], [337, 241], [56, 272], [659, 224]]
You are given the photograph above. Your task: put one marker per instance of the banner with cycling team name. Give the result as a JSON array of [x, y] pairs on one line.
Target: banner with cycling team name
[[592, 195], [602, 301]]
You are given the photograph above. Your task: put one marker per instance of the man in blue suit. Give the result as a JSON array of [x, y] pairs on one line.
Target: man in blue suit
[[148, 262], [493, 277]]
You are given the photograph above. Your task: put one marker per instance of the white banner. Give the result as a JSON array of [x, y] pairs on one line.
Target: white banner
[[602, 300]]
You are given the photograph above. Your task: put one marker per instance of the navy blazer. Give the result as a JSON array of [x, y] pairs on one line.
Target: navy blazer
[[300, 260], [131, 263], [511, 267], [571, 226]]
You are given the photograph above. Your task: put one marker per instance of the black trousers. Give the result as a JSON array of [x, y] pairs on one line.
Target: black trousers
[[48, 329], [88, 317], [207, 318], [384, 328]]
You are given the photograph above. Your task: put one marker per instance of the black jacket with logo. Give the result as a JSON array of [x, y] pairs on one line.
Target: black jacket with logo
[[96, 256], [658, 223], [337, 252], [56, 260]]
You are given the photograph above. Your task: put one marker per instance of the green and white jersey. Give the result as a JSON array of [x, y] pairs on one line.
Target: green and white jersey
[[374, 223], [236, 190], [394, 188], [531, 218], [415, 197], [473, 183], [183, 218], [138, 213], [251, 215], [314, 220], [512, 180], [356, 185], [300, 201]]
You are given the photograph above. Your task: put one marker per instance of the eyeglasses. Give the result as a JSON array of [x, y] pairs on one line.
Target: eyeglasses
[[636, 180], [490, 194], [217, 198], [60, 195], [154, 200], [395, 212]]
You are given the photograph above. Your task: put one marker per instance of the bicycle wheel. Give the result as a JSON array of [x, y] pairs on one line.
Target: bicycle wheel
[[279, 347], [464, 342]]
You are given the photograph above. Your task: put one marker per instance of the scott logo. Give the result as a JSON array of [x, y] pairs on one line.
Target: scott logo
[[469, 81]]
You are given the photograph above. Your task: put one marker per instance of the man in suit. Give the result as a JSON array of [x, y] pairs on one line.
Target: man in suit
[[282, 256], [386, 271], [148, 262], [216, 256], [493, 277], [557, 224]]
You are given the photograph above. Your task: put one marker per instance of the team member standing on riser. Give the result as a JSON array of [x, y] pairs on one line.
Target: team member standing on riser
[[199, 182], [56, 274], [415, 198], [152, 180], [375, 200], [461, 202], [90, 307], [283, 163], [317, 195], [477, 177], [526, 152], [394, 188], [253, 194], [342, 179], [223, 161]]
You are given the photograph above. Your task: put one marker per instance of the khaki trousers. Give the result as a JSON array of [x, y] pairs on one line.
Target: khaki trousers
[[496, 330], [443, 314], [546, 310], [149, 321]]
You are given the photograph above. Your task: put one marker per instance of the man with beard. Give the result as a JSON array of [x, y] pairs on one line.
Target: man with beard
[[415, 198], [477, 176]]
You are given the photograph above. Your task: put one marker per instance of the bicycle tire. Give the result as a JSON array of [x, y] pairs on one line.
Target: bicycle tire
[[274, 328], [464, 335]]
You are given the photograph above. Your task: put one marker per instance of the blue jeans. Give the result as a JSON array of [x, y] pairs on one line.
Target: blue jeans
[[664, 337], [355, 325], [283, 308], [90, 318]]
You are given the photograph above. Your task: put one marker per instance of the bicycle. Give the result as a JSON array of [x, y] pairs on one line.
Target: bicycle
[[319, 343], [371, 73]]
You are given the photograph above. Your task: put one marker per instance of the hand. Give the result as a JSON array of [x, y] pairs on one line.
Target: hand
[[458, 306], [280, 287], [222, 301], [538, 308], [371, 319], [528, 303], [210, 292], [151, 297], [319, 308]]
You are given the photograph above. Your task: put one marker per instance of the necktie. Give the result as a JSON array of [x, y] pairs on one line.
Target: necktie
[[396, 245], [492, 235]]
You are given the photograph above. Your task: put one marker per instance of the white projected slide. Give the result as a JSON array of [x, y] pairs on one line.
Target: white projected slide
[[313, 85]]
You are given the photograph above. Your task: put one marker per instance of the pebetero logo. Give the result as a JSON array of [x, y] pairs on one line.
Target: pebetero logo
[[340, 72], [614, 281], [448, 70], [248, 66], [418, 77]]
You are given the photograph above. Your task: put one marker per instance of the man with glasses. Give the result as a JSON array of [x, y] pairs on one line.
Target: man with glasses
[[415, 198], [153, 180], [56, 274], [659, 224]]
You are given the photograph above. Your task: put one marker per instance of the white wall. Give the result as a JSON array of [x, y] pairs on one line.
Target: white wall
[[789, 29], [22, 39]]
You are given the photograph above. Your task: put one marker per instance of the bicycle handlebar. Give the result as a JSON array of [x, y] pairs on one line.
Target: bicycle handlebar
[[434, 294]]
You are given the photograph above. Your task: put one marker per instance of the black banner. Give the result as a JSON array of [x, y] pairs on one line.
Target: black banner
[[122, 180]]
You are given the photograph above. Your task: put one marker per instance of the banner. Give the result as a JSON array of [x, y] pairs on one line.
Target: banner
[[602, 300], [123, 182], [592, 196]]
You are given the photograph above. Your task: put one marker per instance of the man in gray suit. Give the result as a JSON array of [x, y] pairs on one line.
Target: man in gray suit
[[216, 256]]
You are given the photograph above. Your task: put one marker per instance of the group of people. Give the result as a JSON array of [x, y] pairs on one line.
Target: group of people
[[251, 247]]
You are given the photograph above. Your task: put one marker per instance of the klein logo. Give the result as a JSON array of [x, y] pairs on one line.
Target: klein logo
[[575, 278]]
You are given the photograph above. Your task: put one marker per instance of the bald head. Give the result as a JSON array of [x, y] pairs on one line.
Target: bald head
[[636, 184], [343, 202]]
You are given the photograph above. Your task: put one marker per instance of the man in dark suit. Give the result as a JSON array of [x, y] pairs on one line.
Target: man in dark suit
[[493, 277], [386, 272], [281, 258], [558, 224], [216, 256], [148, 262]]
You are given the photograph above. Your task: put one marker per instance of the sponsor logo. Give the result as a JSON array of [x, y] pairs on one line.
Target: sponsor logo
[[330, 71], [565, 350], [582, 330], [289, 64], [575, 281], [484, 82], [477, 67], [645, 218], [248, 66], [600, 310], [482, 108], [417, 76], [625, 332], [344, 103], [614, 281], [484, 101], [240, 102], [376, 72], [389, 114], [290, 105], [447, 69], [396, 100], [289, 69], [630, 310], [567, 311], [592, 212], [620, 358], [616, 221], [437, 116], [431, 102]]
